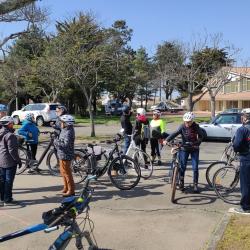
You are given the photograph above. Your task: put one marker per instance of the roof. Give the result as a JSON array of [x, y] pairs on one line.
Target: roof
[[241, 70], [244, 96]]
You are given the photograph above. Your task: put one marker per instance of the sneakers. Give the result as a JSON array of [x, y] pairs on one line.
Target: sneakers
[[11, 203], [181, 185], [239, 210], [159, 162]]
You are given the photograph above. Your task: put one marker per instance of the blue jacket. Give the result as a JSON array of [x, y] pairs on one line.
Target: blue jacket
[[241, 142], [29, 127]]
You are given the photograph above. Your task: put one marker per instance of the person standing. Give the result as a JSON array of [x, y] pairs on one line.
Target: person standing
[[65, 151], [9, 159], [30, 132], [60, 110], [127, 126], [241, 144], [192, 137], [157, 128], [141, 129]]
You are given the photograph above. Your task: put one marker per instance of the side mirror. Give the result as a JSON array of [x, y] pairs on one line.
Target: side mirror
[[215, 123]]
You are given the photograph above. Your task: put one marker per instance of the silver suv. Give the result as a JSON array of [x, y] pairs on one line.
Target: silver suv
[[43, 112]]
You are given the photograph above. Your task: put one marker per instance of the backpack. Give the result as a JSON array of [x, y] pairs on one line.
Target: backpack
[[145, 131]]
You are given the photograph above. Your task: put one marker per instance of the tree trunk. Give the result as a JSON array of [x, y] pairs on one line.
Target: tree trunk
[[146, 98], [94, 105], [9, 104], [212, 103], [190, 104]]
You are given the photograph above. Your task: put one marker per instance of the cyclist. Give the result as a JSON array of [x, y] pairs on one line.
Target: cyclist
[[127, 126], [9, 160], [30, 132], [191, 139], [60, 110], [157, 128], [141, 129], [65, 151], [241, 144]]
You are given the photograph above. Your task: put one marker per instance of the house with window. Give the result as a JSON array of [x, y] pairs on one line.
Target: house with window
[[234, 94]]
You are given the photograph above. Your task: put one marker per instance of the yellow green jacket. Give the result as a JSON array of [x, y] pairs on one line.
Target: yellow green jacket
[[157, 127]]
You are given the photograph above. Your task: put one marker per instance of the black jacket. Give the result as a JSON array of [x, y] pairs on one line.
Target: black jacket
[[126, 124]]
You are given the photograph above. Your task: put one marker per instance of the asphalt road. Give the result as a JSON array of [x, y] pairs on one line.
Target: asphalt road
[[142, 218]]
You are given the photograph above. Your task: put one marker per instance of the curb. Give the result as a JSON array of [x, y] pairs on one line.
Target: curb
[[218, 232]]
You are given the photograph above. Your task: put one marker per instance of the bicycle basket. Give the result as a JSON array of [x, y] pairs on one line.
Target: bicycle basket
[[51, 215], [97, 152]]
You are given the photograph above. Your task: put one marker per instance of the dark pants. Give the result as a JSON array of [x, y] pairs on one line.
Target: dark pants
[[141, 144], [127, 140], [154, 147], [183, 158], [245, 184], [33, 149], [7, 176]]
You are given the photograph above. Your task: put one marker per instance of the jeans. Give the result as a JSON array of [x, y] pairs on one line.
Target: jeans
[[127, 140], [183, 158], [245, 184], [7, 176]]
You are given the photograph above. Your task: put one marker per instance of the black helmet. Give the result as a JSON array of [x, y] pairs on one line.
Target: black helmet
[[63, 108], [125, 109]]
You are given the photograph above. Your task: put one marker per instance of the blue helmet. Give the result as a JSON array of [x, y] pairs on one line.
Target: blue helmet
[[125, 108], [29, 117]]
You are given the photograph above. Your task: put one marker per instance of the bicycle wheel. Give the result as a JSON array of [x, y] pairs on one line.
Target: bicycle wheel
[[211, 169], [144, 162], [174, 183], [23, 154], [80, 166], [124, 172], [53, 163], [226, 184]]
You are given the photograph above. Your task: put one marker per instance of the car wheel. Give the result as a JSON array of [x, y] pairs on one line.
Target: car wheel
[[204, 134], [39, 121], [16, 120]]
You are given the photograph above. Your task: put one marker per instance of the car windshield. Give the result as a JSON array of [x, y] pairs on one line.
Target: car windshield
[[226, 119]]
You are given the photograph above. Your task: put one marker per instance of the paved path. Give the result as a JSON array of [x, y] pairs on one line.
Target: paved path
[[143, 218]]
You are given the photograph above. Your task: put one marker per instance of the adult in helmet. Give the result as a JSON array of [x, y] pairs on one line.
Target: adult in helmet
[[241, 144], [9, 159], [127, 126], [141, 129], [157, 128], [191, 139], [30, 132], [65, 151], [60, 110]]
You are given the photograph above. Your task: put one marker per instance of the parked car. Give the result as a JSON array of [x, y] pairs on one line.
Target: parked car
[[222, 127], [113, 107], [164, 106], [43, 112]]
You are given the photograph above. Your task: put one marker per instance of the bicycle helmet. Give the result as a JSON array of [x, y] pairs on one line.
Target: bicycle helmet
[[6, 120], [157, 112], [141, 111], [62, 108], [188, 117], [67, 119], [29, 117], [125, 109]]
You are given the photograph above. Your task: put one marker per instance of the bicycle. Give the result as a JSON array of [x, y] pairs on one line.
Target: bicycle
[[226, 183], [52, 161], [142, 159], [65, 216], [227, 158], [123, 171]]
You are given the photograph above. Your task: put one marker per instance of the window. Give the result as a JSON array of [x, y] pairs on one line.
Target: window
[[245, 104], [227, 119], [27, 108], [53, 106], [231, 87]]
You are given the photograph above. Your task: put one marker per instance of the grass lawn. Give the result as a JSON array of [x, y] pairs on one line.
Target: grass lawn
[[237, 234]]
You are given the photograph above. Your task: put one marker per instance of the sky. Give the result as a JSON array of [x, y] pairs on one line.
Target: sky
[[155, 21]]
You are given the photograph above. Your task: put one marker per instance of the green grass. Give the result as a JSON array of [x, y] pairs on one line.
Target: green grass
[[98, 120], [237, 234]]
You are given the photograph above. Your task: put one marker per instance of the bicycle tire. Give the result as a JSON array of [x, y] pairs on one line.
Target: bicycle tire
[[24, 156], [129, 171], [53, 163], [80, 166], [174, 183], [226, 184], [211, 169], [144, 162]]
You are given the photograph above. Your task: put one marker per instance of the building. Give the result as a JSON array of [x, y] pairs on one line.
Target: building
[[235, 94]]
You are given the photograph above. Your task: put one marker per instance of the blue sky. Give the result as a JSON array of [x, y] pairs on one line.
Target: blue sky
[[156, 21]]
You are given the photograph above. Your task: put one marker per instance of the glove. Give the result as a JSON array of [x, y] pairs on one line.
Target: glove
[[19, 164]]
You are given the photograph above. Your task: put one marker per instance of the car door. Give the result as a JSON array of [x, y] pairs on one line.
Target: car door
[[222, 126], [25, 110]]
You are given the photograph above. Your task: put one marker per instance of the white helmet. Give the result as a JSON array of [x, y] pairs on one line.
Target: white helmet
[[67, 119], [6, 120], [141, 111], [157, 112], [188, 117]]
